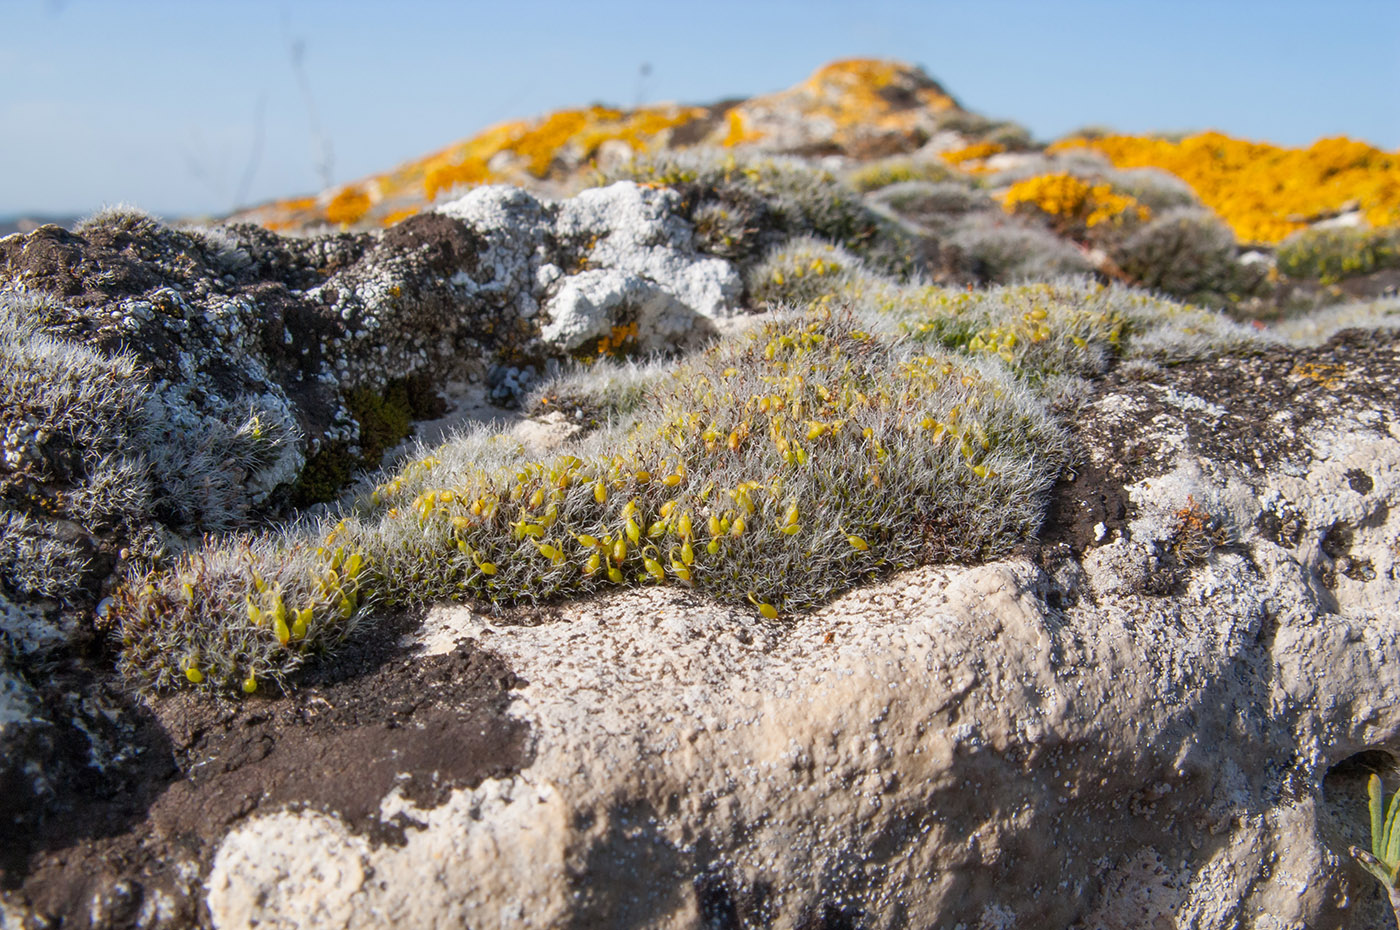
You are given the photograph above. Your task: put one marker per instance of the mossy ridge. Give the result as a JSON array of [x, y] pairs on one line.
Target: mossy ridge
[[1066, 326], [777, 471]]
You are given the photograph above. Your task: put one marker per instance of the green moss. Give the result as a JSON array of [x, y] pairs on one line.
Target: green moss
[[385, 419], [772, 471], [1329, 255], [325, 475]]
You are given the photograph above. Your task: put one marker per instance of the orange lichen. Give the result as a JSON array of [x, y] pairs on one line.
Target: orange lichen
[[1330, 377], [1072, 203], [740, 133], [348, 205], [399, 215], [1265, 192], [974, 152], [857, 98]]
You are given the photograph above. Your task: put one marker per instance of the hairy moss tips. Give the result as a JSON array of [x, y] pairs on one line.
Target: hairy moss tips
[[879, 174], [747, 476], [1190, 254], [775, 470], [1064, 326], [248, 609]]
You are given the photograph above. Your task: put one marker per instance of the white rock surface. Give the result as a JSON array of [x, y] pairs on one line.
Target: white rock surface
[[637, 263]]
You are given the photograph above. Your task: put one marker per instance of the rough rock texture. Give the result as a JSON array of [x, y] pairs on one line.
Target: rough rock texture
[[635, 265], [1159, 715], [315, 354], [160, 384]]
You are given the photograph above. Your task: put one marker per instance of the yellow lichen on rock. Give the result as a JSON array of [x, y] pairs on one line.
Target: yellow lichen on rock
[[1265, 192]]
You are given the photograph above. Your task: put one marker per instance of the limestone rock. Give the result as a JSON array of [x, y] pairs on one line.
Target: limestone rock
[[1144, 730], [637, 267]]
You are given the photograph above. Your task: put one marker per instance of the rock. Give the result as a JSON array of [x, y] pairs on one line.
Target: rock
[[637, 267], [1149, 730]]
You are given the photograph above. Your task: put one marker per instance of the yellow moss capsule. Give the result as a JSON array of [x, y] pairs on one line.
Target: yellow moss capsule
[[255, 615], [680, 570], [586, 540], [194, 675], [667, 508], [595, 562], [353, 565], [282, 631], [629, 510], [790, 517], [858, 544], [654, 568], [671, 480], [634, 531], [619, 549], [712, 547], [656, 530], [643, 476], [687, 553], [683, 525], [537, 499], [736, 529], [714, 525], [614, 574], [553, 553], [250, 684], [347, 607], [792, 530], [487, 568]]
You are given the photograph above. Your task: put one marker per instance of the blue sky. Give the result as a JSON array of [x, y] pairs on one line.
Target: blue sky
[[164, 103]]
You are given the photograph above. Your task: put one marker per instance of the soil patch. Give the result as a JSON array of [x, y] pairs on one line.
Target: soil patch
[[369, 719]]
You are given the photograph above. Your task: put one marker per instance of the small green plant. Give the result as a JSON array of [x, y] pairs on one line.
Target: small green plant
[[1383, 861]]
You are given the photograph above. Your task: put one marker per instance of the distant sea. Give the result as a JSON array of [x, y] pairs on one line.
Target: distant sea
[[31, 222]]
